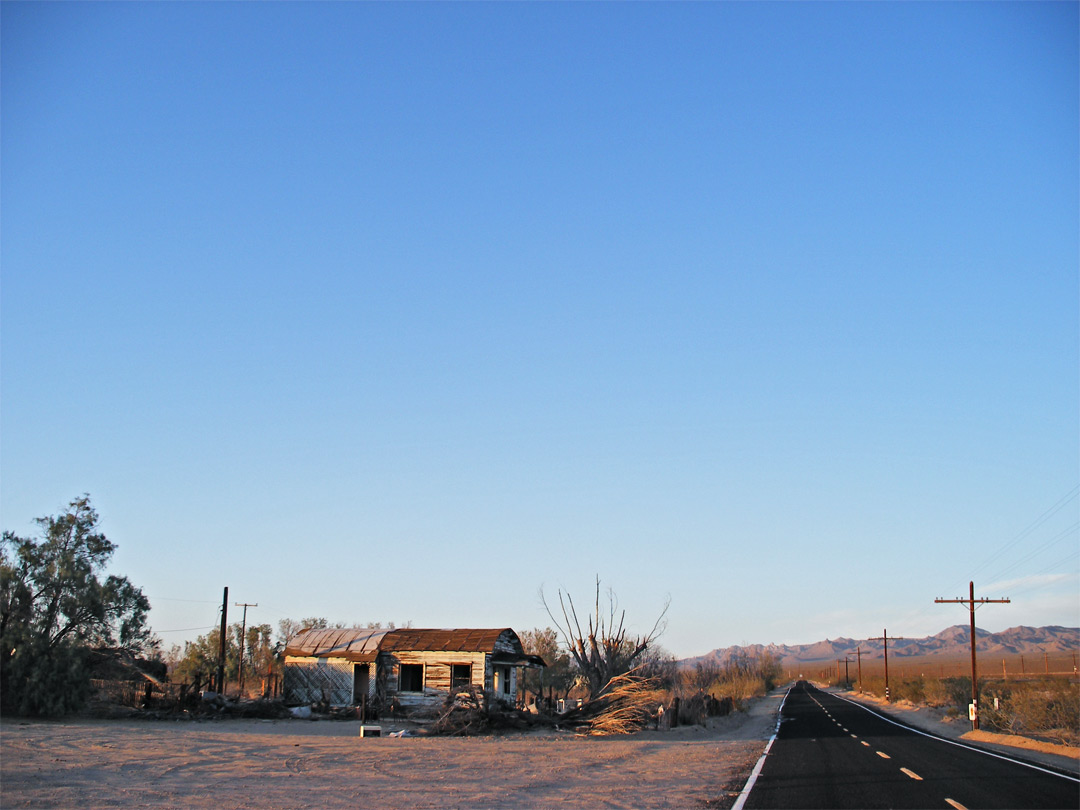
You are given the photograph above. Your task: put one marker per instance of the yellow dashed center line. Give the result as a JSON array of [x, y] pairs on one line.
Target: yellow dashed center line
[[955, 804], [864, 742], [912, 774], [883, 755]]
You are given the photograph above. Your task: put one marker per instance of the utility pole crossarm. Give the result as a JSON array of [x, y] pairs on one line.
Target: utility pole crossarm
[[976, 601]]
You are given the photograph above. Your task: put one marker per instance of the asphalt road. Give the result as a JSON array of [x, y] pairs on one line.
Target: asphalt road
[[830, 752]]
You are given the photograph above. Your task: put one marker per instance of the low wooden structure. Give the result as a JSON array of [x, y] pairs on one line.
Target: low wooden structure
[[416, 669]]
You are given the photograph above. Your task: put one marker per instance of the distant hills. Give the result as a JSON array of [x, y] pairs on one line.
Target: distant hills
[[951, 642]]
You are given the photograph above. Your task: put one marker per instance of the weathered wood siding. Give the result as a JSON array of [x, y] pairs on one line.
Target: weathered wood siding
[[505, 644], [436, 675]]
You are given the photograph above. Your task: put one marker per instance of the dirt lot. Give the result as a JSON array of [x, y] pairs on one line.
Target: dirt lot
[[301, 764]]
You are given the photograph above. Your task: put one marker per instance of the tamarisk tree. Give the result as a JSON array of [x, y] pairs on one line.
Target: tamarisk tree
[[54, 605], [604, 649]]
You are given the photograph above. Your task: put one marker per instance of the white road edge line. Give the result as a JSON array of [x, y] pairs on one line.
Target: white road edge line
[[745, 794], [956, 804], [953, 742], [912, 774]]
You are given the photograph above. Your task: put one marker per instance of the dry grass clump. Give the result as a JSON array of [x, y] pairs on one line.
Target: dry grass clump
[[741, 688]]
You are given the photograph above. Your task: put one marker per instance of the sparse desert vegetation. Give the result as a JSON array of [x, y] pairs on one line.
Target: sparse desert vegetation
[[740, 678], [1045, 708]]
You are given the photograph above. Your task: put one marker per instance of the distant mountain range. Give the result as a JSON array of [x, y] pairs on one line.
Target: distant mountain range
[[952, 642]]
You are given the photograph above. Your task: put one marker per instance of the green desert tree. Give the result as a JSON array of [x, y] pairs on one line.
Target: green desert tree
[[199, 662], [559, 675], [55, 604]]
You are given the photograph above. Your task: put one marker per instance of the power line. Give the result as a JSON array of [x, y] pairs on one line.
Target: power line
[[185, 630], [1032, 588], [194, 601], [1039, 521], [1052, 541]]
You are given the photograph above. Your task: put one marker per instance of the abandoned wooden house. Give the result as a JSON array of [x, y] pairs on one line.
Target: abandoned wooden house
[[417, 668]]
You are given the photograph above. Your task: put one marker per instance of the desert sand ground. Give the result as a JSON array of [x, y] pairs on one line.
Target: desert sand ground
[[303, 764], [263, 764]]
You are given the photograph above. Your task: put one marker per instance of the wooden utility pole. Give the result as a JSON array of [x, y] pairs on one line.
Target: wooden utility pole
[[243, 631], [971, 602], [858, 653], [884, 639], [220, 685]]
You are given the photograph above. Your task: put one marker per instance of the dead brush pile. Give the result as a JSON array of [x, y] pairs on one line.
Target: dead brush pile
[[467, 712], [628, 703]]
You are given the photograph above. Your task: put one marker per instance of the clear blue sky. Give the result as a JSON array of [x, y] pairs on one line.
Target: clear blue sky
[[399, 312]]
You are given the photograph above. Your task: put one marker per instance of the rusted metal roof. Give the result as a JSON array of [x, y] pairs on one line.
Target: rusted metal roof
[[357, 644], [443, 640]]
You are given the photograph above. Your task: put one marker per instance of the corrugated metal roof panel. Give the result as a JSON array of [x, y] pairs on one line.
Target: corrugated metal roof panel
[[353, 644]]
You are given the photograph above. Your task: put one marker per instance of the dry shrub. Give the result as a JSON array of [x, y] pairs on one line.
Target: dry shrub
[[1049, 709], [741, 688], [911, 689], [742, 678], [936, 693]]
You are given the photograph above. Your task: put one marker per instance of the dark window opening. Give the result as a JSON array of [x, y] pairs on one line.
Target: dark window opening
[[506, 681], [411, 678], [460, 675]]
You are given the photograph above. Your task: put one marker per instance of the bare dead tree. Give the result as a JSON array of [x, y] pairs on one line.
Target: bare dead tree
[[604, 650]]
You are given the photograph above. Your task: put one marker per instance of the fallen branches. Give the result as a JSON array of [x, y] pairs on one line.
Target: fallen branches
[[626, 704], [467, 713]]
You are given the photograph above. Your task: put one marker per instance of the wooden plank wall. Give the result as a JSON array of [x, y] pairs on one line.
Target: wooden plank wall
[[436, 674]]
